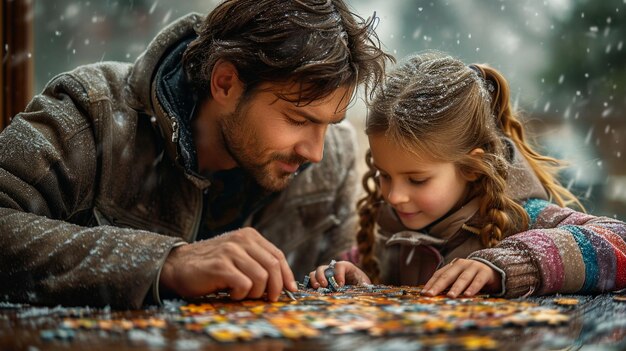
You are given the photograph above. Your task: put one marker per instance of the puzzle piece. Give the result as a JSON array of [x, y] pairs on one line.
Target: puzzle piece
[[376, 310]]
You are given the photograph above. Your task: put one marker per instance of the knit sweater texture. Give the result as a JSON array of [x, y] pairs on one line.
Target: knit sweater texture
[[563, 251]]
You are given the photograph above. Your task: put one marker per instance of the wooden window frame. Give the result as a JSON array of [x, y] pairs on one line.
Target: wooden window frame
[[17, 71]]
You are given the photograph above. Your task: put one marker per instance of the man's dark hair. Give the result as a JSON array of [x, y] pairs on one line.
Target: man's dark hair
[[318, 44]]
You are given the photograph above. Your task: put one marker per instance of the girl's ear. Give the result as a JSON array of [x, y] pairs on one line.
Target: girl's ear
[[476, 153]]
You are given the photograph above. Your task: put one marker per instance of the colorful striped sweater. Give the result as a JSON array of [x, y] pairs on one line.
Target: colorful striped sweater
[[563, 251]]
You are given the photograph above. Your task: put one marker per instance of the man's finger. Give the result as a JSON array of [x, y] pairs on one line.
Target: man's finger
[[230, 278], [289, 281], [240, 285], [255, 272], [273, 268], [273, 260], [247, 265]]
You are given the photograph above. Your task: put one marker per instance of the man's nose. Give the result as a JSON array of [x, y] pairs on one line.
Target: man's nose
[[312, 145]]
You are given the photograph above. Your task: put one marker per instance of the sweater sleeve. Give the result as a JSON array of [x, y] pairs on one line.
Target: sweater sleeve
[[564, 251]]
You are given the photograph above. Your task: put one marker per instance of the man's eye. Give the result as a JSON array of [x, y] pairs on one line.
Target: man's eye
[[297, 122]]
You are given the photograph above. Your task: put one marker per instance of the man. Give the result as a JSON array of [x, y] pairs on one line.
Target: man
[[199, 168]]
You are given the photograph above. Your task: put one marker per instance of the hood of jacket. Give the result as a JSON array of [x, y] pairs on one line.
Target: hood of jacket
[[157, 84]]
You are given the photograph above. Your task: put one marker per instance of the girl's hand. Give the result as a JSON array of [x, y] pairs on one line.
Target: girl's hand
[[469, 277], [345, 273]]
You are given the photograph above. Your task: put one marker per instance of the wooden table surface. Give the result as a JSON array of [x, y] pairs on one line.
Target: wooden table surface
[[598, 323]]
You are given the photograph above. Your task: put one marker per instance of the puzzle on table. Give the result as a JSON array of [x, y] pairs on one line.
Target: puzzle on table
[[374, 310]]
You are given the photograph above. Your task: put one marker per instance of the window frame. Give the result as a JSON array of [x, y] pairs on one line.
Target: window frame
[[17, 71]]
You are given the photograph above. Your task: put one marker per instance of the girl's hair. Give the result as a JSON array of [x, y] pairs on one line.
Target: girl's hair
[[438, 108]]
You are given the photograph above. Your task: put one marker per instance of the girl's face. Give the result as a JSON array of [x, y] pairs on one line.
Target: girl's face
[[419, 190]]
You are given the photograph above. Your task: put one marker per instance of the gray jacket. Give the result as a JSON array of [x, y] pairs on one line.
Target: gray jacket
[[93, 193]]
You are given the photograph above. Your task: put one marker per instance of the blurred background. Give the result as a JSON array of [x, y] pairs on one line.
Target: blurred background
[[565, 61]]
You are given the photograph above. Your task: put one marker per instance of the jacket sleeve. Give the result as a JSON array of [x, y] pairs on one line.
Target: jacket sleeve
[[564, 251], [48, 181], [341, 238]]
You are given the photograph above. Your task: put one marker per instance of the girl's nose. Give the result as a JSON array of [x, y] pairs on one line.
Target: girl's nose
[[397, 196]]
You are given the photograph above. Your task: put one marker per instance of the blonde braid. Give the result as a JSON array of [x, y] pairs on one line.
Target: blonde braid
[[368, 208]]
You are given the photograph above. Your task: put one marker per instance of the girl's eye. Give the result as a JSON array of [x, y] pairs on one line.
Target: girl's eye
[[417, 181]]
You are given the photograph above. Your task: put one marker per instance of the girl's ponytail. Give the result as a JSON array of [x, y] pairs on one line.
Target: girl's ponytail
[[546, 168]]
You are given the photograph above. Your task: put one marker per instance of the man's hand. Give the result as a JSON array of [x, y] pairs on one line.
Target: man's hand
[[242, 261], [469, 277], [345, 273]]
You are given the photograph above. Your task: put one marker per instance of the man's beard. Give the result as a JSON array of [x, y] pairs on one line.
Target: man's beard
[[243, 145]]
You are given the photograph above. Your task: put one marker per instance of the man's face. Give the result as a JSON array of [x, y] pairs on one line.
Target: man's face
[[271, 138]]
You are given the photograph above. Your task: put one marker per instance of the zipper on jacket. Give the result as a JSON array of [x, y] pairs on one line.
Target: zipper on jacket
[[174, 130]]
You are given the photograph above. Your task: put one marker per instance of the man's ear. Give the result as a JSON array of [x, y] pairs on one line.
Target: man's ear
[[472, 176], [226, 88]]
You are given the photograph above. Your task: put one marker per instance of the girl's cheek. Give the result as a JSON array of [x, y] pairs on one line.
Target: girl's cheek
[[426, 199]]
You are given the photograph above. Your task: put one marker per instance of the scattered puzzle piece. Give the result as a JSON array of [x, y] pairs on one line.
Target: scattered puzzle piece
[[375, 310], [563, 301]]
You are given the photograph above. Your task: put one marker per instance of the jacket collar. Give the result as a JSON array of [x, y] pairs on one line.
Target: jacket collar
[[178, 100], [157, 86], [139, 86]]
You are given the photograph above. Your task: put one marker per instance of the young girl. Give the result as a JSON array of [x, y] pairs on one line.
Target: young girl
[[457, 199]]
